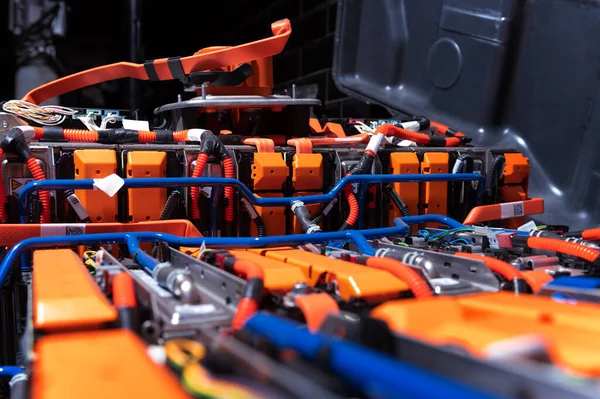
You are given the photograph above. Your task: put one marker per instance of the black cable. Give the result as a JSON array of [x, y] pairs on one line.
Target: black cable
[[345, 226], [256, 218], [170, 205], [319, 218], [396, 199], [260, 226], [491, 180]]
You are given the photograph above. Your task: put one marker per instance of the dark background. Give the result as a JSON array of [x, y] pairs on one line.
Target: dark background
[[98, 34]]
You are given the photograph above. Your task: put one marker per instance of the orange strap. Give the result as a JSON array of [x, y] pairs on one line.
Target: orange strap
[[262, 145], [12, 234], [487, 213], [303, 145], [167, 68], [315, 126], [357, 138], [315, 308]]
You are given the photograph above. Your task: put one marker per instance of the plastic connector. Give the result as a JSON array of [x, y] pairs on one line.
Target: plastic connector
[[303, 215], [14, 143]]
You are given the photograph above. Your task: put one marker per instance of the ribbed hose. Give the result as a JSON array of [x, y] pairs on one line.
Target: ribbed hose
[[38, 174], [492, 175], [353, 204], [180, 136], [146, 136], [397, 200], [319, 218], [589, 235], [195, 191], [229, 172], [3, 216], [80, 135], [170, 205], [260, 227], [568, 248], [419, 287]]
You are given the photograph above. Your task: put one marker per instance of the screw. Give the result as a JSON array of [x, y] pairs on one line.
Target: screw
[[204, 91], [4, 124]]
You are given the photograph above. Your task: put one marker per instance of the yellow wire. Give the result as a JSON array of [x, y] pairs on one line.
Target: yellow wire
[[184, 351], [199, 382]]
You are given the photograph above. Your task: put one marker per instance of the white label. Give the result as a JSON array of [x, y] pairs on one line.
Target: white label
[[196, 134], [512, 209], [111, 184], [443, 281], [15, 184], [77, 207], [62, 229], [354, 188], [28, 132], [411, 125], [529, 226], [196, 309], [151, 283], [136, 125], [206, 191], [406, 143], [375, 143]]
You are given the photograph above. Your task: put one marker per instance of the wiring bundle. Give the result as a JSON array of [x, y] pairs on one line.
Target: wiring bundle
[[246, 250]]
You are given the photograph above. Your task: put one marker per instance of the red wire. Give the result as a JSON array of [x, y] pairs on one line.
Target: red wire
[[229, 172], [38, 174], [353, 204], [195, 191]]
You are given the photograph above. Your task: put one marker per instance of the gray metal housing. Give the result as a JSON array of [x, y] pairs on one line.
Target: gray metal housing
[[509, 73]]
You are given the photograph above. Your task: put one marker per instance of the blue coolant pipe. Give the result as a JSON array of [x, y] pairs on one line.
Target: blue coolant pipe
[[8, 372], [371, 373], [88, 184], [133, 239], [580, 282]]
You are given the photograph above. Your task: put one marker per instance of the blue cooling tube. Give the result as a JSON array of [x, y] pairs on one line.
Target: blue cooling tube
[[88, 184], [371, 373], [133, 240]]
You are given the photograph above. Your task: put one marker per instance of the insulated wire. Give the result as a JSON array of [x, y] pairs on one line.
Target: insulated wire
[[48, 115]]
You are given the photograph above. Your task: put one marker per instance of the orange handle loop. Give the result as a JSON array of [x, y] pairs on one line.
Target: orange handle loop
[[198, 62]]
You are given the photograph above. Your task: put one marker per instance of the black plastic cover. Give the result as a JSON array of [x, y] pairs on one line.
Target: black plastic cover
[[509, 73]]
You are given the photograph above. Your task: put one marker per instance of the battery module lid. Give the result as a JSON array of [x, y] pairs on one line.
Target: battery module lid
[[502, 71]]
